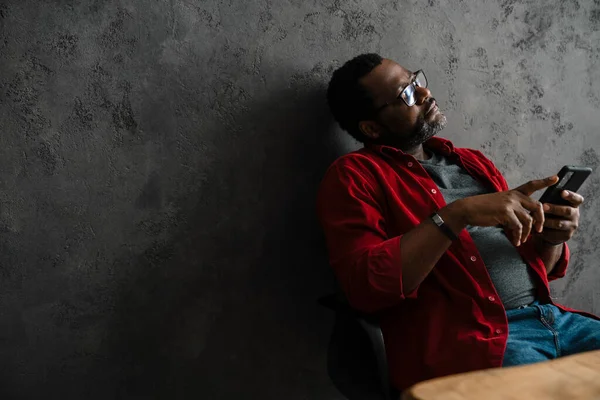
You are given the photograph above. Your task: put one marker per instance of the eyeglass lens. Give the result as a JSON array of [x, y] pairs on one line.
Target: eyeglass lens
[[408, 94]]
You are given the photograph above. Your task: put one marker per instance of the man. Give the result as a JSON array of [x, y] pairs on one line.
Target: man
[[430, 238]]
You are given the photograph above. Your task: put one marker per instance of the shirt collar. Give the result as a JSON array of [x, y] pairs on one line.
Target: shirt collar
[[439, 145]]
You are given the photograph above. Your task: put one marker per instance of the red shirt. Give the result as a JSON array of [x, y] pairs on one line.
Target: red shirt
[[454, 321]]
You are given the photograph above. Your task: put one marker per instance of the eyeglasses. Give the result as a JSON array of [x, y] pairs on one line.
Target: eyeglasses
[[408, 93]]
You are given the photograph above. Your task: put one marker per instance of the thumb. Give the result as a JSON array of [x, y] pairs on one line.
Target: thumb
[[533, 186]]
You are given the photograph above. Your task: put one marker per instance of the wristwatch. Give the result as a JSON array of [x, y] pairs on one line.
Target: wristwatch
[[435, 217]]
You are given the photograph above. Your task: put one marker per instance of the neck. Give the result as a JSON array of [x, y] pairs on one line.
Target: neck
[[418, 153]]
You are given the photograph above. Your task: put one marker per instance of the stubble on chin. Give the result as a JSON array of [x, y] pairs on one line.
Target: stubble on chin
[[424, 131]]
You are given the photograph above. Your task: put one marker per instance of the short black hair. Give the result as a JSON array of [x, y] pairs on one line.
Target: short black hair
[[348, 100]]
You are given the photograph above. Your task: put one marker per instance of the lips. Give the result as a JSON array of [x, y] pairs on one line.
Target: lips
[[433, 107]]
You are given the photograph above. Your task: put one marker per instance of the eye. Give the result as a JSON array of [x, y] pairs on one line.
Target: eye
[[420, 80], [408, 92]]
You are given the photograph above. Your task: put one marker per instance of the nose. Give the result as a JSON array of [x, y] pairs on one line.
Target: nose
[[421, 94]]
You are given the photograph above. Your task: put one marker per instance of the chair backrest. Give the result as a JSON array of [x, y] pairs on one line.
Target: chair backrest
[[357, 363], [373, 330]]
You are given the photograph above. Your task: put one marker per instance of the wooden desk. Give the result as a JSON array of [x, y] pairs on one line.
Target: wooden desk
[[574, 377]]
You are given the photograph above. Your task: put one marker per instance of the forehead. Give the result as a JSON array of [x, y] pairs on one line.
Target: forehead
[[385, 79]]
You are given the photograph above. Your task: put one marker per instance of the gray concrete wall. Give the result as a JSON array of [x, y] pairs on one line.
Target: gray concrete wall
[[159, 161]]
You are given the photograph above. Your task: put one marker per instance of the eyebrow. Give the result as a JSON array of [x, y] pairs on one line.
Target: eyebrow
[[403, 85], [413, 75]]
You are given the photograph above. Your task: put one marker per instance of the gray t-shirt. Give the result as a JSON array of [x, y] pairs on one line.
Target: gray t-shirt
[[513, 279]]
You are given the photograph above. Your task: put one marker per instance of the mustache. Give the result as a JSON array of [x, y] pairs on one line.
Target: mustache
[[430, 101]]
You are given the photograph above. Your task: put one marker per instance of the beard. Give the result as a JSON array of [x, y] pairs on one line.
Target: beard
[[423, 131]]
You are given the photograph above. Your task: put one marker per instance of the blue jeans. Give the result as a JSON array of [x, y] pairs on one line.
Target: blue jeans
[[541, 332]]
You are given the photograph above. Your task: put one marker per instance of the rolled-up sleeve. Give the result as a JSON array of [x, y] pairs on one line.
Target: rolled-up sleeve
[[366, 261]]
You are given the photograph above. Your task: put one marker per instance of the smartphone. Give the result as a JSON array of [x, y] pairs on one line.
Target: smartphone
[[569, 178]]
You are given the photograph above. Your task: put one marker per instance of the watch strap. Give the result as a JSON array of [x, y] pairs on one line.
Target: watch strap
[[439, 222]]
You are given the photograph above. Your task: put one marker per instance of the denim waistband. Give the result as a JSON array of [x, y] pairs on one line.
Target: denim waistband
[[535, 303]]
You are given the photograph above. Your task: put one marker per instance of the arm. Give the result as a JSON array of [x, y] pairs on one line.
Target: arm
[[560, 225], [378, 271], [423, 246], [549, 244], [374, 269], [550, 253]]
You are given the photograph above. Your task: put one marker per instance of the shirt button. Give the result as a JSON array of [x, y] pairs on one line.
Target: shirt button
[[433, 191], [491, 298], [473, 258], [410, 164], [498, 331]]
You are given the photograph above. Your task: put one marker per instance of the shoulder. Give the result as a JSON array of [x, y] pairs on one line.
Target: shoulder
[[481, 163], [473, 154], [353, 176], [477, 157], [360, 164]]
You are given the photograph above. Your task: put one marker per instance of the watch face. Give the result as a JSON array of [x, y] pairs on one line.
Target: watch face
[[437, 219]]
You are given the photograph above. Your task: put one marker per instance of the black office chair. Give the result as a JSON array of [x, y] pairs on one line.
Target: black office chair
[[356, 360]]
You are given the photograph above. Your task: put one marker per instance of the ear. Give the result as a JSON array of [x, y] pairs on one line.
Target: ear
[[370, 129]]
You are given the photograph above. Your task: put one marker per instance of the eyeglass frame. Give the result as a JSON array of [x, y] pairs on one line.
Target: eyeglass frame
[[413, 82]]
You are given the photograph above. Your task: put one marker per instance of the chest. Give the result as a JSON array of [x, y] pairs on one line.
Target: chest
[[410, 192]]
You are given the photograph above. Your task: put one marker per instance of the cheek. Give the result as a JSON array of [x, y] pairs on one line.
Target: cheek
[[402, 117]]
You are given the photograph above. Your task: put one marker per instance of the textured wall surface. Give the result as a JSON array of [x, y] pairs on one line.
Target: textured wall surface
[[159, 162]]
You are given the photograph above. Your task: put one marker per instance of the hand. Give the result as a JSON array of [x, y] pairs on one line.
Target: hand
[[514, 210], [561, 222]]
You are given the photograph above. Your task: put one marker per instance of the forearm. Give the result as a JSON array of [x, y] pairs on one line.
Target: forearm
[[422, 247], [549, 253]]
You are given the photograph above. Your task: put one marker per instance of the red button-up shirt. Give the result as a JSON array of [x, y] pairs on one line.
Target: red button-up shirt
[[454, 320]]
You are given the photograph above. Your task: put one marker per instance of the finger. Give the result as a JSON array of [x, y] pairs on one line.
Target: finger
[[535, 208], [572, 197], [539, 217], [558, 224], [533, 186], [513, 228], [527, 223], [566, 212]]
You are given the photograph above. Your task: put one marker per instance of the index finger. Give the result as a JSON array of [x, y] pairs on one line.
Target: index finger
[[534, 185]]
